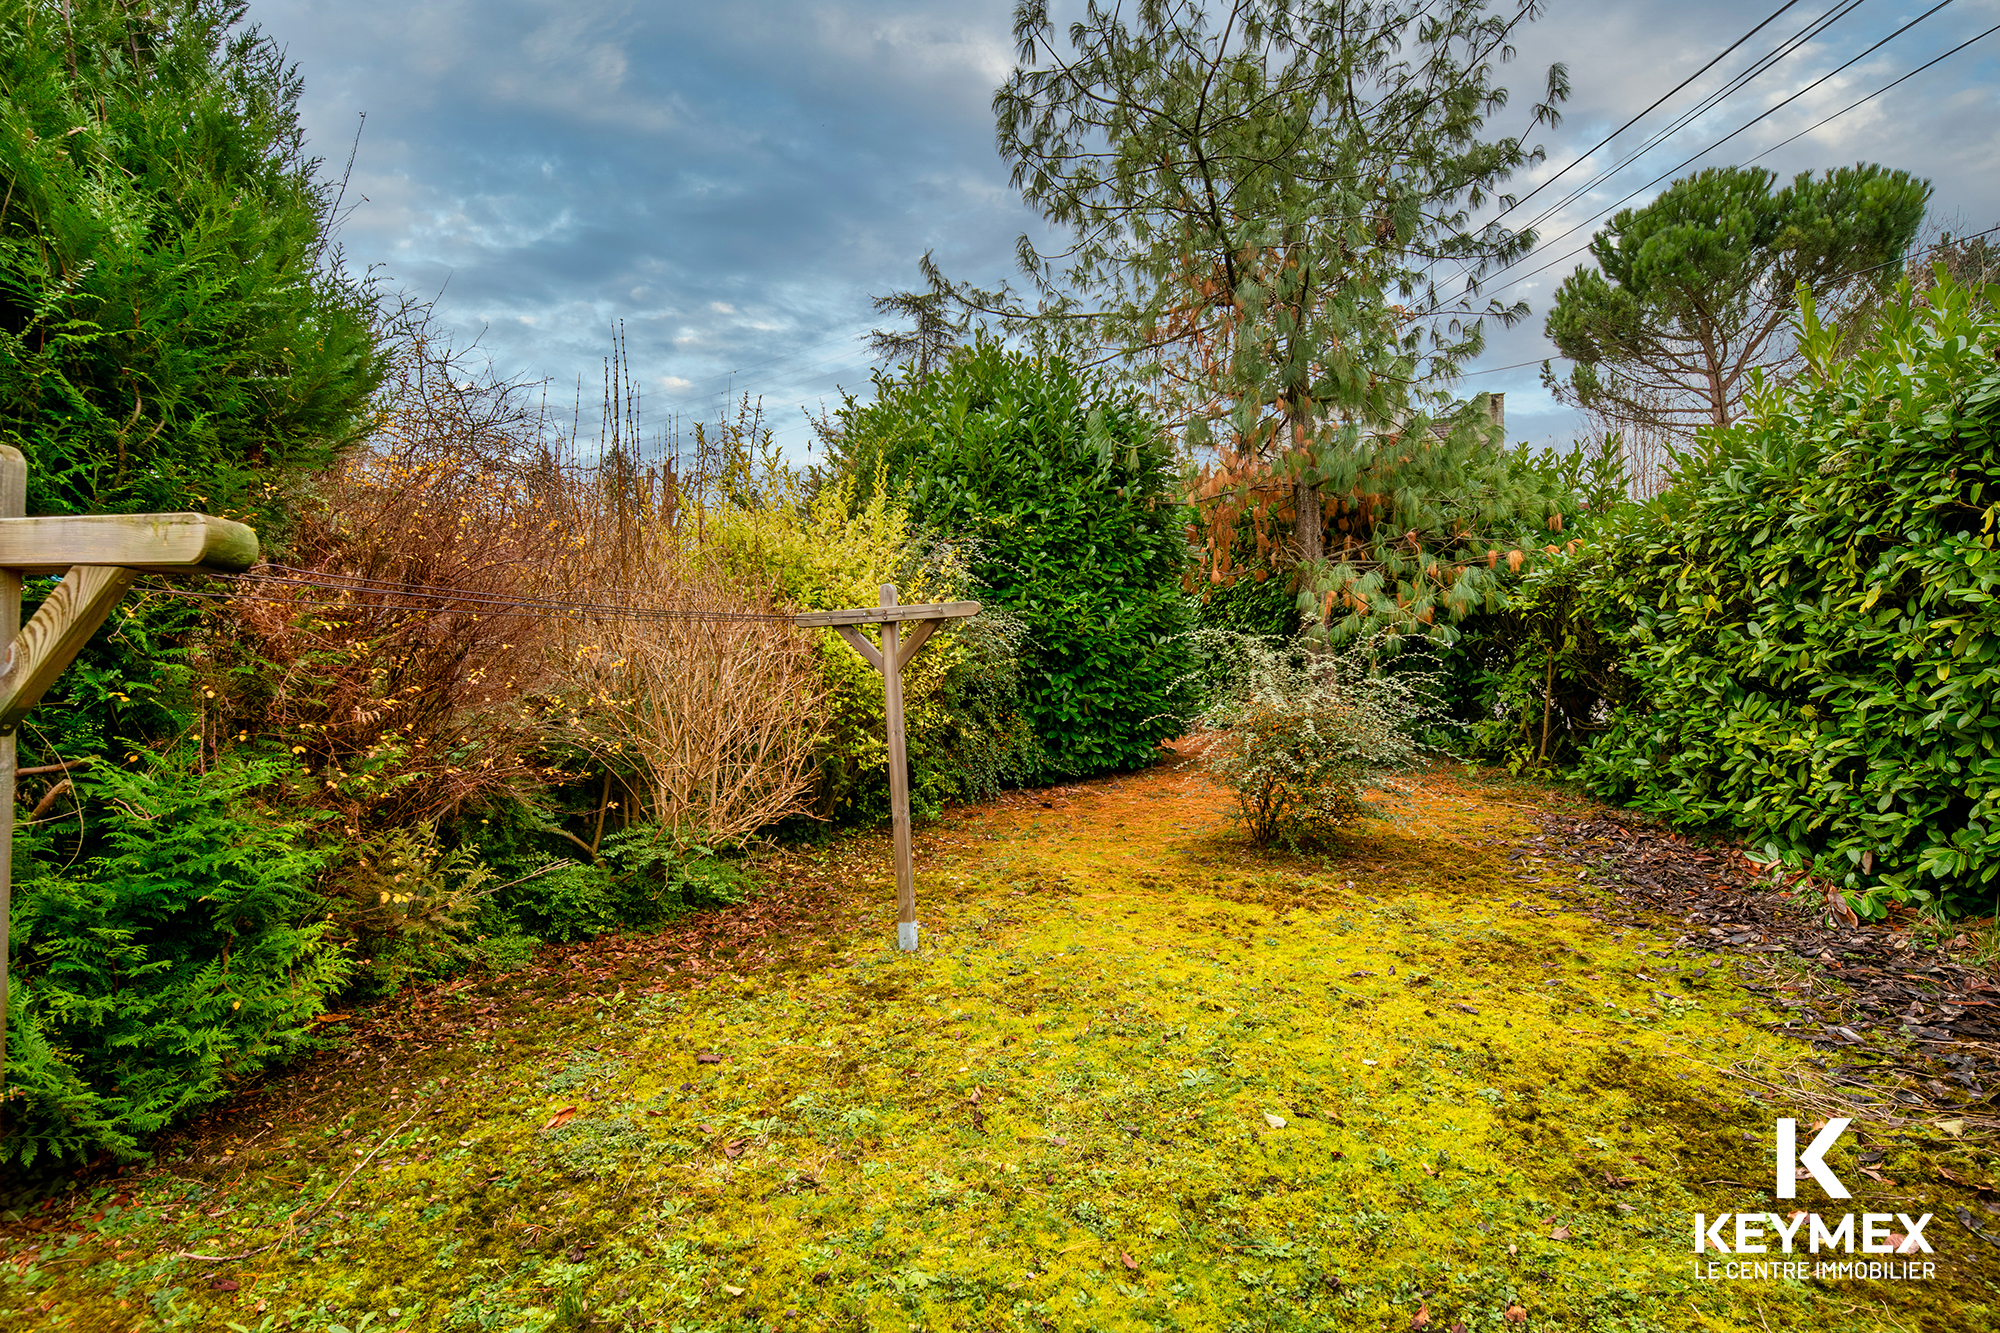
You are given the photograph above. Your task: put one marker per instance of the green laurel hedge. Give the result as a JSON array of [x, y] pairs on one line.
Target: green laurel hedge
[[1804, 637]]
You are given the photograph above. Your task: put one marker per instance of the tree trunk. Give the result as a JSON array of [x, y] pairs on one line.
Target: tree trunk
[[1311, 528], [1305, 495]]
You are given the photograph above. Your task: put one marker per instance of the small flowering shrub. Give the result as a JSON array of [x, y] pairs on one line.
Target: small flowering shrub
[[1305, 735]]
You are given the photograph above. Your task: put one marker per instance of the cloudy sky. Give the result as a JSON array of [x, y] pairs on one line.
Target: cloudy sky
[[733, 181]]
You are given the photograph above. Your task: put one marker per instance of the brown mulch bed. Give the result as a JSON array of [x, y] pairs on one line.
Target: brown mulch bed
[[1908, 1027]]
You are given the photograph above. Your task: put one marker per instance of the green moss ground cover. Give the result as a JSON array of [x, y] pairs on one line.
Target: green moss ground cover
[[1139, 1077]]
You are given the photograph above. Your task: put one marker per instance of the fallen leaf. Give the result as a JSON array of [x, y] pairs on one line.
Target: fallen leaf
[[1955, 1128], [733, 1149], [1516, 1315], [733, 1291], [561, 1117], [1878, 1177], [707, 1058], [1560, 1233], [224, 1284], [1128, 1261], [1421, 1317], [1464, 1008], [1459, 1327], [1274, 1121]]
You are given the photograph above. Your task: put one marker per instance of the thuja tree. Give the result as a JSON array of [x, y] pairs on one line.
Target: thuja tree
[[174, 334], [1062, 494], [183, 956], [1698, 289], [1266, 210], [170, 335], [173, 331]]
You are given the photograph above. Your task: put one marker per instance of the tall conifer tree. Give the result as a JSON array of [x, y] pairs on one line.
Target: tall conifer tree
[[1267, 208], [173, 331]]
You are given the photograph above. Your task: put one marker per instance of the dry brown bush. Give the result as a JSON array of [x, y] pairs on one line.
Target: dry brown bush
[[691, 687], [402, 689], [505, 615]]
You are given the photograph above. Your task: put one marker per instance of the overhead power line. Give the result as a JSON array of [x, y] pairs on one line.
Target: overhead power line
[[1585, 155], [1735, 83], [1683, 165], [1877, 93]]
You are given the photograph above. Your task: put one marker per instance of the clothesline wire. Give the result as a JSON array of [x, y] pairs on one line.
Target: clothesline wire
[[446, 602]]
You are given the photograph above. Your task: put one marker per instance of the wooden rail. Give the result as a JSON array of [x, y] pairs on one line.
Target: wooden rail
[[98, 556], [167, 543]]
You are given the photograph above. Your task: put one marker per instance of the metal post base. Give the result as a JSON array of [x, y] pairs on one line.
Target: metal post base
[[906, 936]]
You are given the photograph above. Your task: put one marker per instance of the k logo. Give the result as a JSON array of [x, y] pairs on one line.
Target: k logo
[[1813, 1160]]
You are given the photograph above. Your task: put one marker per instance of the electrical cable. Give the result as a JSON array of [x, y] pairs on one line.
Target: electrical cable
[[1771, 59], [1585, 157], [1887, 263], [1736, 83], [1930, 249], [1877, 93], [1761, 116]]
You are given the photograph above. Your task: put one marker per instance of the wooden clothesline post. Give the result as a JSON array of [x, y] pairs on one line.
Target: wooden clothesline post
[[98, 556], [890, 659]]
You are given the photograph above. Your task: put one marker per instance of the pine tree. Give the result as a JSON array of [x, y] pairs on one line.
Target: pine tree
[[1698, 289], [1271, 214]]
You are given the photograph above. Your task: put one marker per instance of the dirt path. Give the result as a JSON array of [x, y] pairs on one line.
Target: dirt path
[[1139, 1077]]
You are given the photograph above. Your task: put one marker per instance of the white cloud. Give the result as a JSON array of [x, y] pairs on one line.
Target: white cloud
[[557, 166]]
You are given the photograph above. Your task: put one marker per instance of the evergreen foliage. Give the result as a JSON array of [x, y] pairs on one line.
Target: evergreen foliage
[[1696, 290], [1801, 641], [1062, 494], [174, 332], [1260, 203], [171, 333], [186, 954]]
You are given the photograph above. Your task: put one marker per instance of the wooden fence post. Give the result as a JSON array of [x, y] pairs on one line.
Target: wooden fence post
[[13, 504], [896, 649], [899, 777]]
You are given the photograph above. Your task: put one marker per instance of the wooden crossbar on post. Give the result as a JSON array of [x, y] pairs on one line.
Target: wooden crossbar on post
[[98, 556], [895, 652]]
